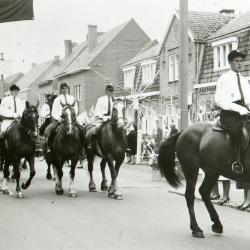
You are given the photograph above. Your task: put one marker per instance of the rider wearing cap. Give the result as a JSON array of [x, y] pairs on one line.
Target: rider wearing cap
[[103, 112], [11, 108], [56, 113], [233, 97]]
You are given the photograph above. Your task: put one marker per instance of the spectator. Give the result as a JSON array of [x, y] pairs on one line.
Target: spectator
[[173, 129], [132, 143]]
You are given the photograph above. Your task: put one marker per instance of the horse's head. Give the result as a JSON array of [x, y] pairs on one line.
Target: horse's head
[[30, 118], [118, 113], [69, 116]]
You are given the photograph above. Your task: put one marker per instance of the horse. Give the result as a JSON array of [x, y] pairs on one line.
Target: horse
[[19, 142], [67, 145], [111, 146], [201, 146]]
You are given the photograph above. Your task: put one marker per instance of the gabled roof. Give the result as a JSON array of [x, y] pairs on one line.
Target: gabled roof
[[150, 50], [200, 24], [236, 24], [81, 57], [34, 74]]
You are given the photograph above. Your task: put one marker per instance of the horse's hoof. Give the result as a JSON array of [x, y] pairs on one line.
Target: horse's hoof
[[73, 194], [6, 191], [92, 189], [111, 195], [218, 229], [118, 197], [19, 195], [23, 186], [104, 188], [198, 234], [59, 192], [49, 176]]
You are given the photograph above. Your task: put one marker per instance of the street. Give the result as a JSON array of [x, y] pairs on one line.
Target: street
[[149, 217]]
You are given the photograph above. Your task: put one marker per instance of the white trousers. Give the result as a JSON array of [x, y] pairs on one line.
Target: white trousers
[[5, 125]]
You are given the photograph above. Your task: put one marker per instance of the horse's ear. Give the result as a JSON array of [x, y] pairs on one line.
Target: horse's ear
[[27, 104]]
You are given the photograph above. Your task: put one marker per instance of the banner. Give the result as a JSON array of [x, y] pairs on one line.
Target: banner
[[16, 10]]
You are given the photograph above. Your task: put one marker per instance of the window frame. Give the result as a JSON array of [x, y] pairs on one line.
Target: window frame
[[129, 77], [77, 92]]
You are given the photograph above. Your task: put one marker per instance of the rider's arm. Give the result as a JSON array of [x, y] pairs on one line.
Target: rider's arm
[[98, 108], [44, 113], [56, 110], [223, 98], [76, 107], [4, 110]]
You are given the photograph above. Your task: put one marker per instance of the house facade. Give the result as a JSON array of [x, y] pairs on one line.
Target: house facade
[[234, 35], [140, 83], [96, 62], [200, 26]]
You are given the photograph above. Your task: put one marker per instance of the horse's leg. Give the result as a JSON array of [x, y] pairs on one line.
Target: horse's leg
[[72, 191], [113, 185], [31, 161], [104, 184], [90, 158], [118, 192], [59, 175], [205, 190], [191, 174], [17, 174], [48, 175], [6, 173]]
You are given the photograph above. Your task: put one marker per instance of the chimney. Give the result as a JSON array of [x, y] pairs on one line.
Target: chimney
[[56, 59], [68, 47], [33, 65], [228, 12], [92, 37], [1, 56]]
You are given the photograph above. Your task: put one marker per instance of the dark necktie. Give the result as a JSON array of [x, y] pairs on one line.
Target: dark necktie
[[14, 104], [65, 100], [109, 106], [240, 89]]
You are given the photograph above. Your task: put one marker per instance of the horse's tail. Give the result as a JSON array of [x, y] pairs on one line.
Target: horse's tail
[[166, 160]]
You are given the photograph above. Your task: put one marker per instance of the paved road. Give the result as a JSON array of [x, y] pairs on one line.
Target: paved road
[[148, 218]]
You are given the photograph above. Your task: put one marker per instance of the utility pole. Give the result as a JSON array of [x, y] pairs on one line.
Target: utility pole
[[2, 77], [183, 63]]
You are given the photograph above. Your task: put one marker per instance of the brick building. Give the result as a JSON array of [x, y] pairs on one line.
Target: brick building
[[200, 26], [89, 66], [234, 35]]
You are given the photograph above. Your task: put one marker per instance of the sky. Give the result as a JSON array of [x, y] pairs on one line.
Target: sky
[[27, 42]]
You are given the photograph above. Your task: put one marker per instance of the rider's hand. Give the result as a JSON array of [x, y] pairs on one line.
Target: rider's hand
[[244, 111], [105, 118], [15, 115]]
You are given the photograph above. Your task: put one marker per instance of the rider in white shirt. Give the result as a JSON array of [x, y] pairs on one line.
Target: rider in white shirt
[[233, 97], [11, 108], [56, 113], [103, 113]]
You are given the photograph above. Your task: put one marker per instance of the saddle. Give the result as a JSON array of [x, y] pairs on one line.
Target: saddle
[[244, 135]]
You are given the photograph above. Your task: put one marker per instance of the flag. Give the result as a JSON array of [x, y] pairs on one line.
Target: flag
[[16, 10]]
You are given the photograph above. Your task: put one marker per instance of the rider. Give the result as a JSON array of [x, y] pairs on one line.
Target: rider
[[56, 113], [233, 97], [45, 113], [103, 112], [11, 108]]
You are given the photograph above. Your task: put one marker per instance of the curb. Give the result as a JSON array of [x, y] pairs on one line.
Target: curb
[[228, 204]]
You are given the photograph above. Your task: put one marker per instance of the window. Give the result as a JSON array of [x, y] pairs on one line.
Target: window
[[129, 76], [77, 92], [148, 72], [221, 50], [173, 71]]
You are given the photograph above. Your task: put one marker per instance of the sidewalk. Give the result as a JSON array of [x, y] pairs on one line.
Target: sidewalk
[[236, 195]]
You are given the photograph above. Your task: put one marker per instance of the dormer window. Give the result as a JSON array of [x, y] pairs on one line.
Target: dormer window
[[129, 76], [221, 50]]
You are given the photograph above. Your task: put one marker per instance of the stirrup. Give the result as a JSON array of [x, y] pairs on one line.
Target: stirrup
[[237, 167]]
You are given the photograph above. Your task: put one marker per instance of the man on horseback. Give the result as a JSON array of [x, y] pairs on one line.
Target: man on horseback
[[233, 97], [63, 99], [45, 113], [11, 108], [103, 112]]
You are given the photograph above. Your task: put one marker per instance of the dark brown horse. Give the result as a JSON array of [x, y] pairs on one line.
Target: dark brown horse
[[112, 143], [199, 146], [67, 145], [19, 143]]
